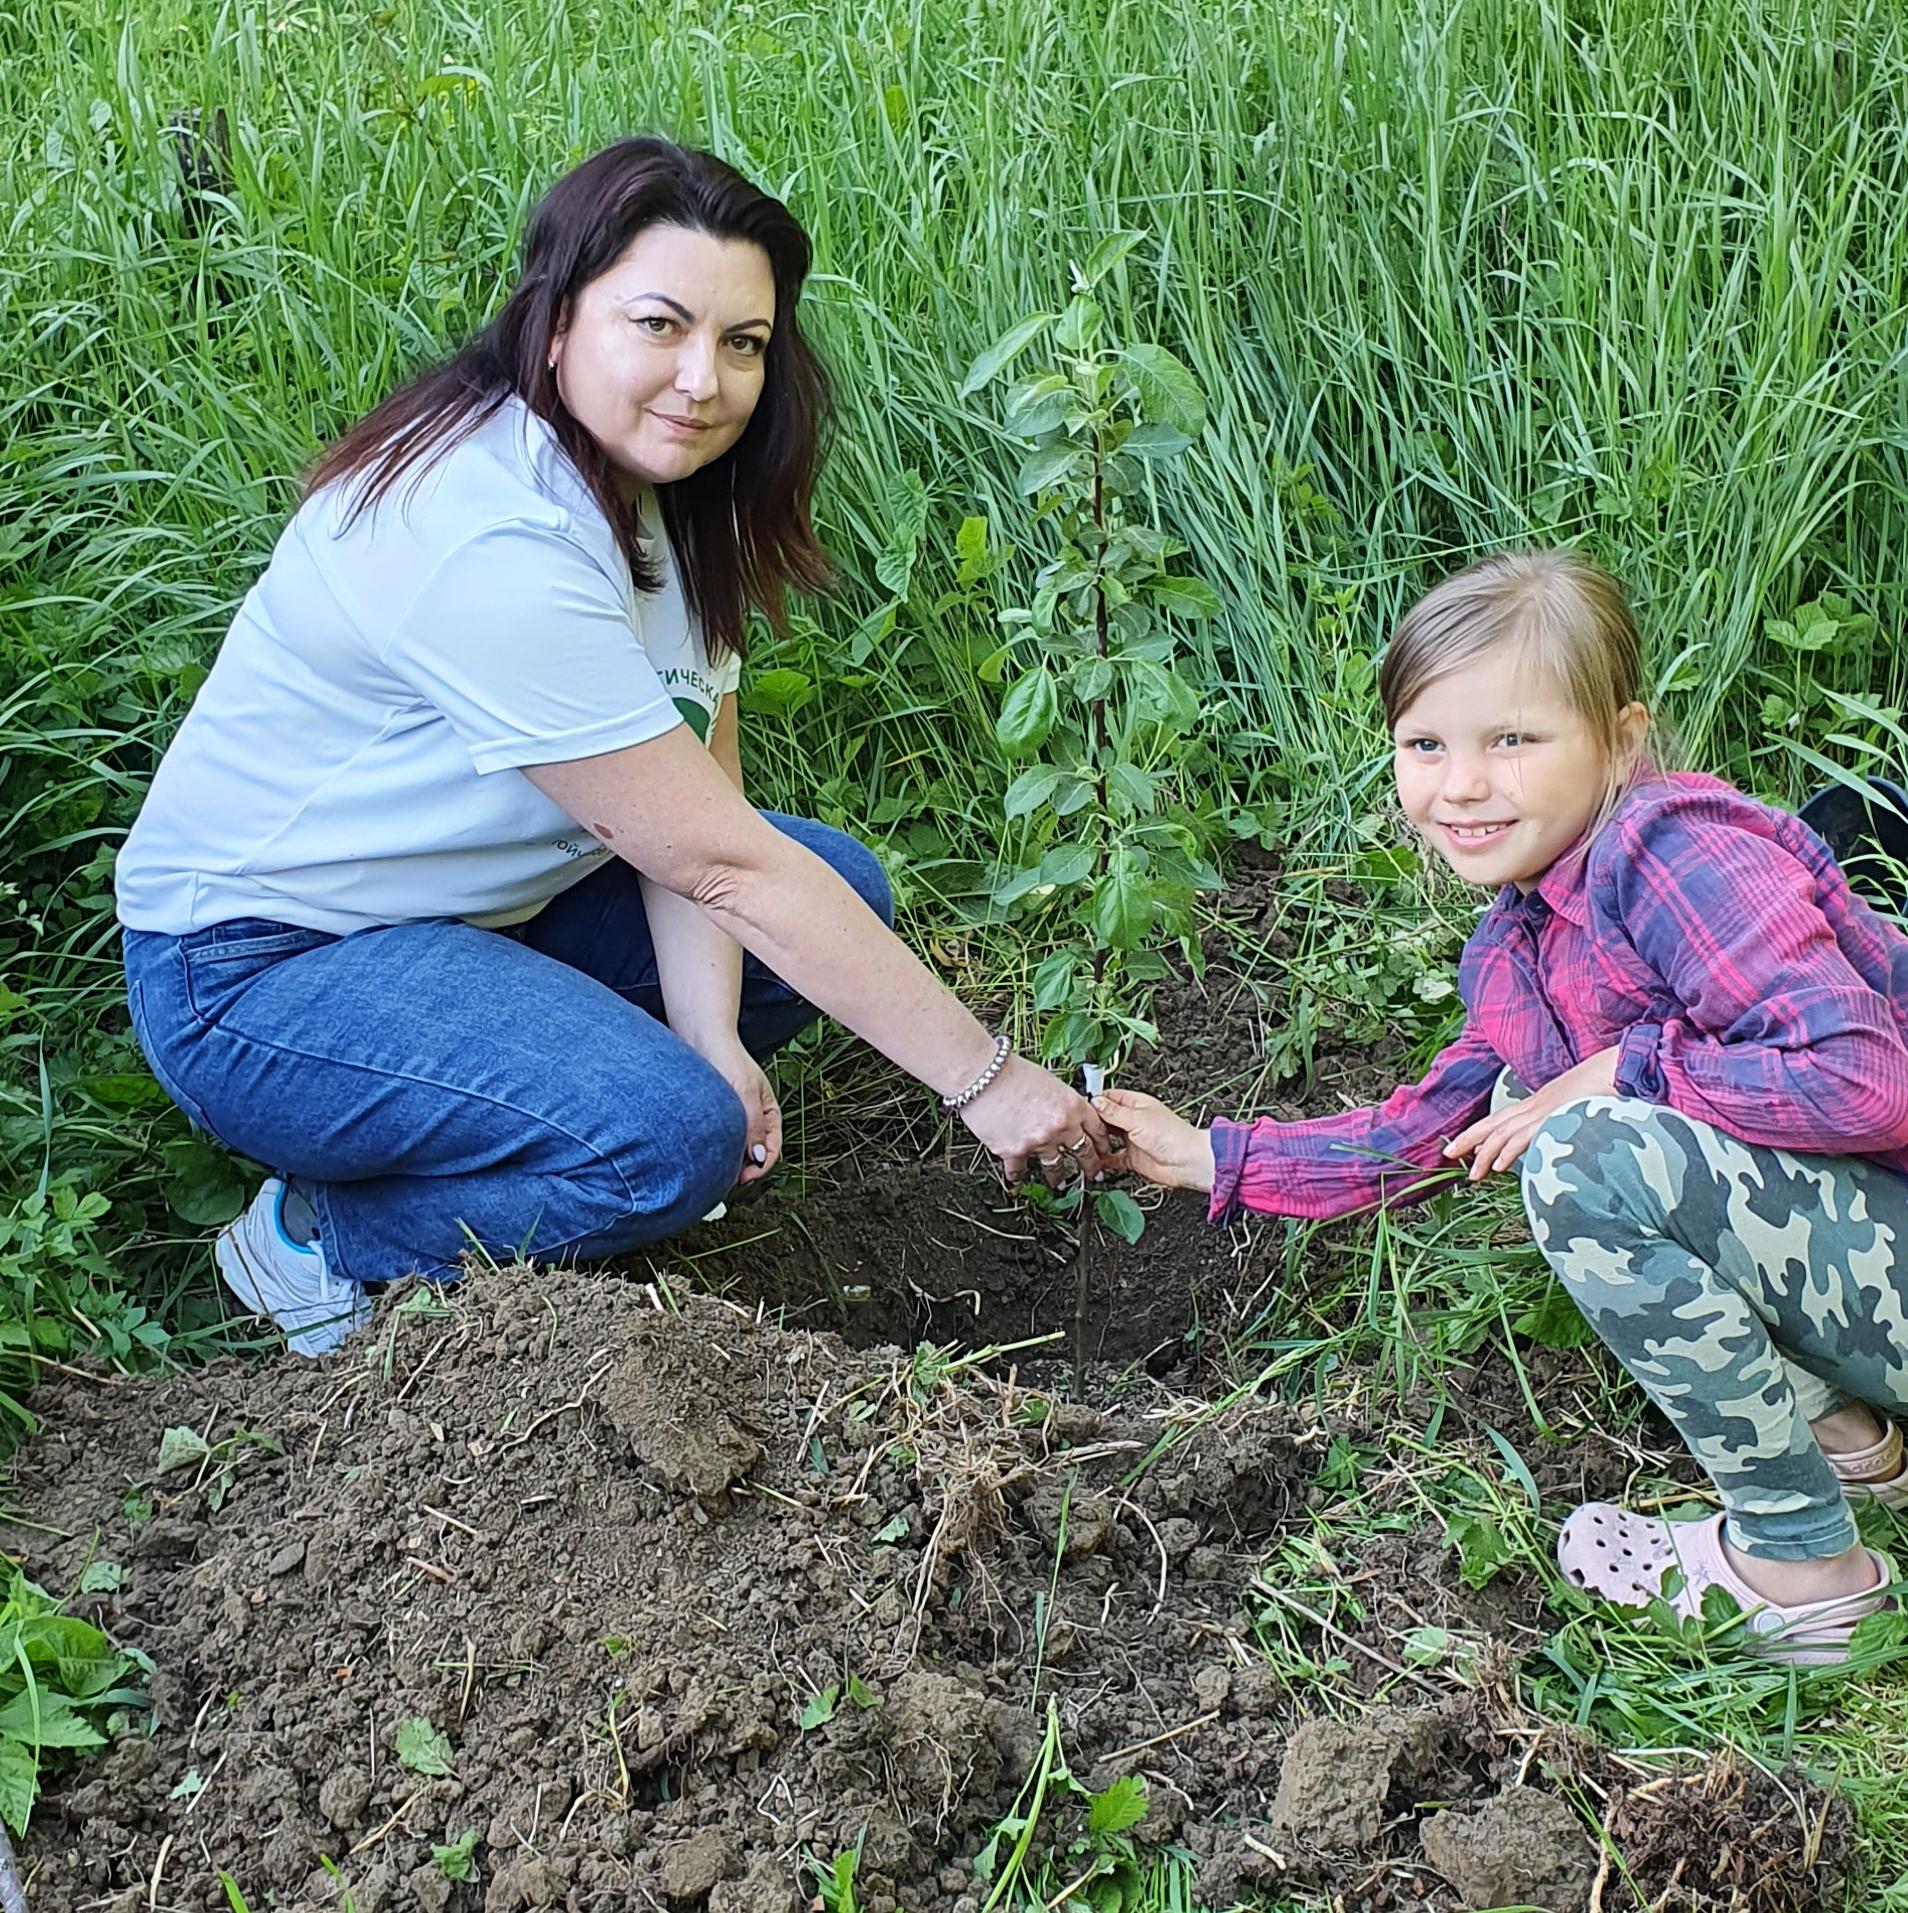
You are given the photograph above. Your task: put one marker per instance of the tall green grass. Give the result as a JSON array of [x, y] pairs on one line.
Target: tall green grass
[[1453, 274]]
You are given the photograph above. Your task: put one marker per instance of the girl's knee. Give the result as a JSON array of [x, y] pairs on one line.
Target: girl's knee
[[1597, 1157]]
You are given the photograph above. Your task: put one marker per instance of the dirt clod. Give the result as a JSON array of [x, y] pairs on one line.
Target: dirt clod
[[1337, 1776], [1525, 1848]]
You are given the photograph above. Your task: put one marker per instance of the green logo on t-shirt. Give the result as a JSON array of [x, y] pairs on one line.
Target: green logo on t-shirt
[[696, 716]]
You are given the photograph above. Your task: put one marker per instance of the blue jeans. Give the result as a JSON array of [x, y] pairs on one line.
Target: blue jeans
[[433, 1084]]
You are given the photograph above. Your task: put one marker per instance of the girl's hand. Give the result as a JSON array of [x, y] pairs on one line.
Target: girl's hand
[[1027, 1113], [743, 1074], [1496, 1141], [1164, 1148]]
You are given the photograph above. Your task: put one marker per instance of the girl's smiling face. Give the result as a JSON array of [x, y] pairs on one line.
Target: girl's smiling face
[[1500, 772]]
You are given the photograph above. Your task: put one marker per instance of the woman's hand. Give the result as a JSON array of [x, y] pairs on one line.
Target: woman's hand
[[1163, 1147], [1026, 1112], [743, 1074], [1496, 1141]]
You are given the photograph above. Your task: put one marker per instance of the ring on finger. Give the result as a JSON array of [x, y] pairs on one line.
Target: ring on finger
[[1074, 1148], [1049, 1162]]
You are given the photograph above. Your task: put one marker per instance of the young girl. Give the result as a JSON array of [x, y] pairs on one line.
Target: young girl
[[1713, 1035]]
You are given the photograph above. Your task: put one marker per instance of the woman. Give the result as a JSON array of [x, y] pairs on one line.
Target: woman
[[447, 901]]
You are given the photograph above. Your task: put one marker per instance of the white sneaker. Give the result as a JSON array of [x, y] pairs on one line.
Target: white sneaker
[[285, 1281]]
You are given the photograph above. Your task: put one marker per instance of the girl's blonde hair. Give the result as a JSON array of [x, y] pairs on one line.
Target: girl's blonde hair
[[1567, 618]]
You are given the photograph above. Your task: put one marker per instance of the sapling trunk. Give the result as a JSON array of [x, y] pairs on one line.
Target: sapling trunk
[[1083, 1236]]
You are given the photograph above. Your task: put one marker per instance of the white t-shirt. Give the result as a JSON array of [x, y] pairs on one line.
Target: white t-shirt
[[355, 755]]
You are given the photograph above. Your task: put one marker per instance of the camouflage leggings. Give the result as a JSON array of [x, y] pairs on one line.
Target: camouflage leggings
[[1748, 1290]]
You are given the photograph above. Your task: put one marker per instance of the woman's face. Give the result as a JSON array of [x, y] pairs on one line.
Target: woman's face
[[661, 359]]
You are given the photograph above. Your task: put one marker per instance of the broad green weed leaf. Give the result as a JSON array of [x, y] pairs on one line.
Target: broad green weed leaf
[[1123, 910], [820, 1709], [19, 1783], [1120, 1213], [204, 1186], [1554, 1320], [1028, 713], [1003, 352], [1046, 465], [1168, 393], [454, 1861], [1184, 597], [1104, 257], [1122, 1805], [54, 1723], [1067, 863], [422, 1748], [1030, 789], [778, 693], [180, 1447]]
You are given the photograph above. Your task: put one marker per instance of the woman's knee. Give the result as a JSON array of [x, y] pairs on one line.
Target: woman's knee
[[682, 1160]]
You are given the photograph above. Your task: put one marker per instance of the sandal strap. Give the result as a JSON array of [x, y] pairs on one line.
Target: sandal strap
[[1879, 1461]]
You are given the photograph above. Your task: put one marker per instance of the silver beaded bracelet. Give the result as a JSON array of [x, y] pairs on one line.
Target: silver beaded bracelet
[[961, 1098]]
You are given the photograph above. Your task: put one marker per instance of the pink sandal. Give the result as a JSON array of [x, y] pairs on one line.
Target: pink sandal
[[1623, 1557], [1875, 1473]]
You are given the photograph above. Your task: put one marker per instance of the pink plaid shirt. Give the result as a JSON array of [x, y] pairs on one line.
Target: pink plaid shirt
[[1713, 940]]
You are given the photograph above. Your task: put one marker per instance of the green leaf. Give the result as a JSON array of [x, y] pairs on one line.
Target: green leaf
[[1184, 597], [1104, 257], [53, 1722], [820, 1710], [874, 629], [455, 1861], [204, 1185], [1130, 788], [970, 542], [1040, 406], [1120, 1213], [180, 1447], [1123, 910], [907, 518], [422, 1748], [1079, 327], [1047, 463], [778, 693], [1003, 352], [1053, 980], [1012, 889], [1123, 1804], [19, 1783], [1030, 789], [1168, 394], [991, 668], [1028, 713], [1155, 441], [1074, 793], [861, 1694], [1090, 679], [1554, 1320], [190, 1785], [1161, 698], [101, 1577], [1067, 863]]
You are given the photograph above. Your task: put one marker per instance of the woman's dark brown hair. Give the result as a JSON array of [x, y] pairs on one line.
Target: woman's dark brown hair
[[740, 526]]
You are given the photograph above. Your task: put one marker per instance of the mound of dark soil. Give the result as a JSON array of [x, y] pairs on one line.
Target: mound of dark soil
[[640, 1608]]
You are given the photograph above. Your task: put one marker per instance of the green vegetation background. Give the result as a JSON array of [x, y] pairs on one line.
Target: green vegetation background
[[1452, 273]]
